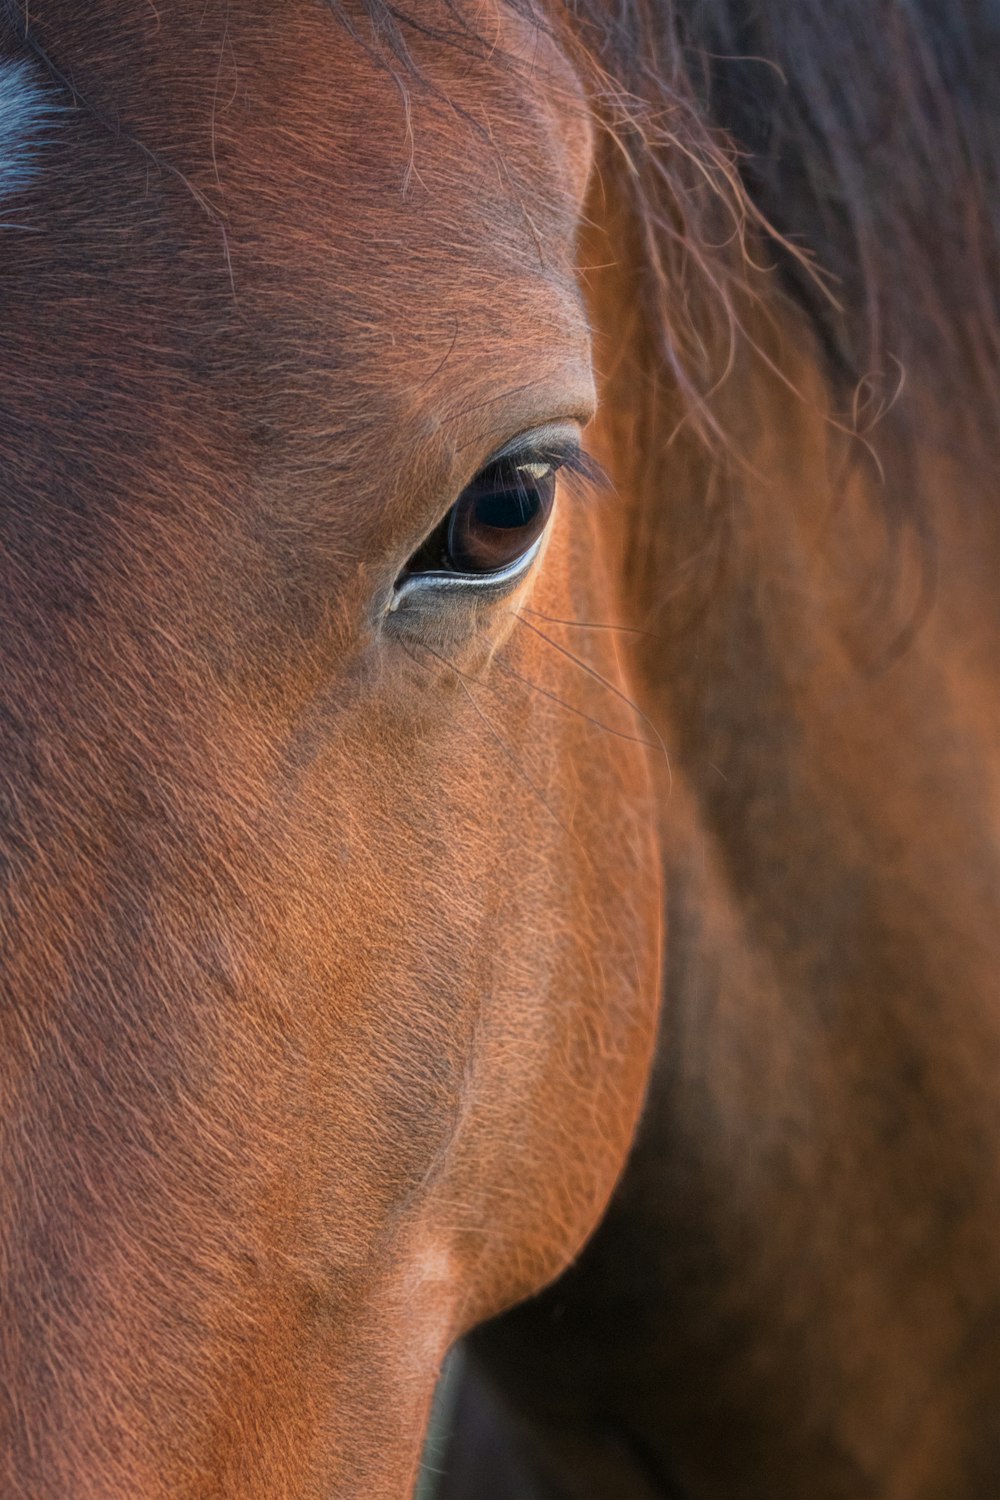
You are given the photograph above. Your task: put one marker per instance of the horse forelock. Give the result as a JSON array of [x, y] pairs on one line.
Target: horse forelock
[[28, 108]]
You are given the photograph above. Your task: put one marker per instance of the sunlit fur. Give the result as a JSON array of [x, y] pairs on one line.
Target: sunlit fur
[[329, 933]]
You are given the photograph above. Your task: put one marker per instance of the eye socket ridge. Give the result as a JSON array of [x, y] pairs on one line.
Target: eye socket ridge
[[499, 518]]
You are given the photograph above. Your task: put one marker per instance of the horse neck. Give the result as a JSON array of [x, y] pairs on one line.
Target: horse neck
[[819, 631], [808, 566]]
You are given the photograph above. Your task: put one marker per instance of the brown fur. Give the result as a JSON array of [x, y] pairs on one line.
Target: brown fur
[[328, 953], [328, 957]]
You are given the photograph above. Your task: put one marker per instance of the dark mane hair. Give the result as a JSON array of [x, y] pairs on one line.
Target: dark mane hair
[[869, 129], [866, 137], [853, 150]]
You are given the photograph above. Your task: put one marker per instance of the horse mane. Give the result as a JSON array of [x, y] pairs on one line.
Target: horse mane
[[870, 127], [853, 151], [861, 143], [833, 167]]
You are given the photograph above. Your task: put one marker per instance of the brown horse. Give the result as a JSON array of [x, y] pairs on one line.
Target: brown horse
[[330, 887], [797, 1291], [333, 852]]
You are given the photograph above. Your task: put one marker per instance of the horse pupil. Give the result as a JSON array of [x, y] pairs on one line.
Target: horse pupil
[[508, 508], [494, 522]]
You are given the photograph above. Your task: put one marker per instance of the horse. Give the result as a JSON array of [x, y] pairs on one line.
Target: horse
[[796, 1289], [380, 783], [330, 887]]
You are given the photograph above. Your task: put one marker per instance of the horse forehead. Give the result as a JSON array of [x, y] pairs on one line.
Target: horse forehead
[[450, 190], [498, 124], [27, 109], [281, 110], [544, 79]]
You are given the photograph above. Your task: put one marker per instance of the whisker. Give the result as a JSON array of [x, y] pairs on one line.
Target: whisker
[[590, 624], [463, 682], [619, 734], [611, 687]]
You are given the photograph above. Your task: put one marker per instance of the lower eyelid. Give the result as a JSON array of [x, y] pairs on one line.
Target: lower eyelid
[[422, 589]]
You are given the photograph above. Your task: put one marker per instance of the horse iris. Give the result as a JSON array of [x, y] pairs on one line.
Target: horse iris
[[496, 520], [499, 517]]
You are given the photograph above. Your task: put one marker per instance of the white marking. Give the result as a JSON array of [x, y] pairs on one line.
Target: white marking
[[26, 110]]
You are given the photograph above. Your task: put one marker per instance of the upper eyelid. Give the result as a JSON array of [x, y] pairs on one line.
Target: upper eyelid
[[555, 443], [559, 448]]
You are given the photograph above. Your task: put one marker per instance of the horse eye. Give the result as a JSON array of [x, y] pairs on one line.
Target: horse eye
[[495, 521]]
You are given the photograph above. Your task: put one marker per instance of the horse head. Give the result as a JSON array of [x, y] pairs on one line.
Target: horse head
[[329, 891]]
